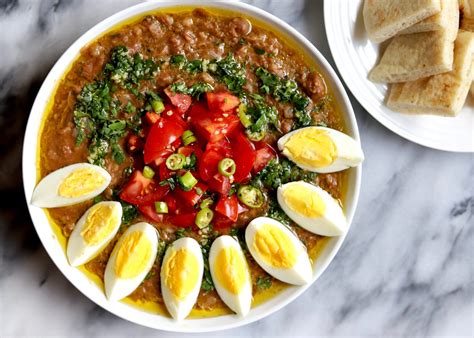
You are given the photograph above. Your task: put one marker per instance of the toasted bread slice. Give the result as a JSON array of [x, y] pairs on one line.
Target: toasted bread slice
[[385, 18], [442, 94], [414, 56], [441, 21]]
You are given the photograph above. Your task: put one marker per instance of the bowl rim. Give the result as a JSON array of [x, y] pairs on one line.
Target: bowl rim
[[52, 244]]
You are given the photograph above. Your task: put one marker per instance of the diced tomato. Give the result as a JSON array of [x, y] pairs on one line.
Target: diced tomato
[[244, 156], [171, 113], [262, 157], [193, 196], [149, 211], [220, 184], [162, 135], [188, 150], [208, 164], [222, 146], [171, 202], [228, 206], [222, 101], [141, 190], [183, 220], [161, 157], [215, 126], [152, 118], [180, 101], [221, 222], [134, 143], [164, 172]]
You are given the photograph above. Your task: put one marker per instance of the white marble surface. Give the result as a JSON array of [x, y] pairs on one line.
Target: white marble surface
[[406, 268]]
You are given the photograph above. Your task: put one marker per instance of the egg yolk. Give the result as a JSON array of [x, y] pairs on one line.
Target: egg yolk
[[133, 255], [231, 270], [181, 272], [80, 182], [304, 201], [275, 247], [311, 147], [99, 223]]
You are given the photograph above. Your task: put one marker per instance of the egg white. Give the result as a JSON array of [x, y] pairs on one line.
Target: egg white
[[300, 273], [78, 250], [46, 194], [349, 151], [180, 309], [117, 288], [241, 302], [332, 223]]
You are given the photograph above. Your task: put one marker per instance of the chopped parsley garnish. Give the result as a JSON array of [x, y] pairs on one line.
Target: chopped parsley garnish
[[262, 116], [277, 213], [206, 241], [264, 283], [259, 51], [180, 233], [172, 182], [229, 71], [196, 90], [129, 213]]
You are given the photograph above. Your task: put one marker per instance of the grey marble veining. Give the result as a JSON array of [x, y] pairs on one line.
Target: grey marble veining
[[406, 268]]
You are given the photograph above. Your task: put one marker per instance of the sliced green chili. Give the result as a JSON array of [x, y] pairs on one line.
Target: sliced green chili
[[227, 167], [161, 207], [204, 218], [256, 135], [206, 203], [244, 117], [188, 137], [148, 172], [175, 161], [187, 181], [250, 196]]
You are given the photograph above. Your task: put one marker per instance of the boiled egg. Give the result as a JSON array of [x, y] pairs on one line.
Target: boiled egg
[[93, 232], [131, 260], [230, 274], [312, 208], [321, 150], [181, 276], [278, 251], [70, 185]]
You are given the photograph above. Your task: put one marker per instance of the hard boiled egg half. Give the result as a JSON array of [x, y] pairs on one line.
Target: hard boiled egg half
[[181, 276], [230, 274], [93, 232], [312, 208], [278, 251], [131, 260], [70, 185], [321, 150]]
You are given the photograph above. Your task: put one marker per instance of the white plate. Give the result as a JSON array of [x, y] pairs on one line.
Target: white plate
[[355, 55], [81, 281]]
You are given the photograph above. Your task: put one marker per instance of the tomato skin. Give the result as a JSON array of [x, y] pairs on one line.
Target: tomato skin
[[219, 183], [140, 190], [171, 113], [148, 210], [222, 146], [262, 156], [214, 126], [208, 164], [172, 203], [221, 222], [191, 197], [221, 101], [228, 206], [244, 156], [183, 220], [164, 172], [162, 135], [152, 118], [180, 101]]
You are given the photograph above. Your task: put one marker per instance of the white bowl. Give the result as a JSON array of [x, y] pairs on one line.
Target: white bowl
[[51, 242]]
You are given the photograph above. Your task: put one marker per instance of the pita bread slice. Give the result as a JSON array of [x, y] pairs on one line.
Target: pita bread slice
[[442, 94], [385, 18], [414, 56], [441, 21]]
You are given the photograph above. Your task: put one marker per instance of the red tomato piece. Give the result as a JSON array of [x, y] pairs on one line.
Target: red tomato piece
[[162, 135], [221, 222], [180, 101], [193, 196], [171, 113], [162, 157], [152, 118], [134, 143], [228, 206], [220, 184], [188, 150], [222, 101], [215, 126], [222, 146], [183, 220], [171, 202], [208, 164], [149, 211], [141, 190], [164, 172], [262, 157], [244, 156]]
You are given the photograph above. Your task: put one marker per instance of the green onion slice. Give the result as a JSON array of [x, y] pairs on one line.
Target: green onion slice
[[148, 172], [161, 207], [187, 181], [204, 218]]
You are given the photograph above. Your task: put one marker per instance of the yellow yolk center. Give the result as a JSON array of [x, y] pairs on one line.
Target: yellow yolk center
[[311, 147], [304, 201], [231, 270], [133, 255], [99, 223], [275, 247], [80, 182], [181, 273]]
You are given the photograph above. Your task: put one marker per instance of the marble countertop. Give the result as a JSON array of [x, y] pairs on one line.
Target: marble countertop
[[406, 268]]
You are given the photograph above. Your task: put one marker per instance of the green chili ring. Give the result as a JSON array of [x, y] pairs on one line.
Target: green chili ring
[[251, 196], [204, 218], [227, 167], [175, 161]]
